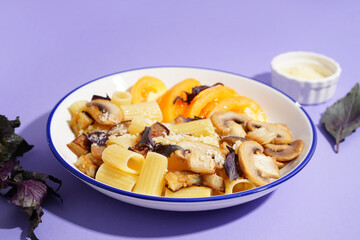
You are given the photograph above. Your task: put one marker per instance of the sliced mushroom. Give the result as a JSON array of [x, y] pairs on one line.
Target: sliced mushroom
[[229, 123], [257, 167], [97, 151], [213, 181], [159, 130], [104, 111], [264, 132], [179, 119], [180, 179], [200, 157], [284, 152], [120, 128], [231, 141]]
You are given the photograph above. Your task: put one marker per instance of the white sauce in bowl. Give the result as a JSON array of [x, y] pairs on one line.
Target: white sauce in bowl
[[306, 71]]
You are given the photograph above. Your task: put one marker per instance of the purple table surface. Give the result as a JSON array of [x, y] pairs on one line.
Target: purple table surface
[[48, 48]]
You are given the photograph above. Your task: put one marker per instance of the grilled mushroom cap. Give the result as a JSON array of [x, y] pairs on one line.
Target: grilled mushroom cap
[[257, 167], [120, 128], [264, 132], [104, 111], [284, 152], [200, 157], [97, 151], [229, 123], [231, 141], [159, 130]]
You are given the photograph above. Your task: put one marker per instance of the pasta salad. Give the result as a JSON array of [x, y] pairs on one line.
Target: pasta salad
[[191, 140]]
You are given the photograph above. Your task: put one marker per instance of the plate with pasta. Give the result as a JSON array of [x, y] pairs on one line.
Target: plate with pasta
[[181, 138]]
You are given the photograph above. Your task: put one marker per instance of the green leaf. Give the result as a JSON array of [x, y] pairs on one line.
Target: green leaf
[[343, 117]]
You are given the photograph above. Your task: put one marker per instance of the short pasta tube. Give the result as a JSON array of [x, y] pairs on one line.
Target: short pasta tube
[[189, 192], [121, 158], [115, 177], [138, 124], [151, 178], [198, 128], [121, 98], [125, 141], [77, 106], [175, 138], [238, 185], [149, 110]]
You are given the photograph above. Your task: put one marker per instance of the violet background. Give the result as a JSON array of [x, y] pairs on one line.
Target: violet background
[[48, 48]]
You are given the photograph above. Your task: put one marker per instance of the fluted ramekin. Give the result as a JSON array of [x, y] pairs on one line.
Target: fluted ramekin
[[305, 91]]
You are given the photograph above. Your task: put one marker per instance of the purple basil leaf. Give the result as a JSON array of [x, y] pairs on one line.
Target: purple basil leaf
[[141, 150], [35, 218], [22, 175], [165, 150], [230, 165], [146, 139], [94, 97], [29, 193], [193, 119], [343, 117], [11, 144], [15, 123], [98, 138], [194, 92], [181, 119], [6, 168], [190, 96]]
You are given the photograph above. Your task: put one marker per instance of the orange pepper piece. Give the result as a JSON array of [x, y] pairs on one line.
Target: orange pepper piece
[[213, 94], [146, 89], [169, 109], [239, 104]]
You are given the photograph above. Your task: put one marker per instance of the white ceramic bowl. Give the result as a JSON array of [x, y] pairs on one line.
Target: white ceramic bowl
[[278, 107], [305, 91]]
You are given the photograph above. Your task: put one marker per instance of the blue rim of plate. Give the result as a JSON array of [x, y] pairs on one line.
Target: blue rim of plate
[[181, 200]]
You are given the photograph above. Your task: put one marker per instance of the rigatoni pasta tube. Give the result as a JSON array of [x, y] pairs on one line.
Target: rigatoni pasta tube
[[238, 185], [138, 124], [125, 141], [198, 128], [121, 158], [115, 177], [189, 192], [77, 106], [175, 138], [149, 110], [151, 178], [121, 98]]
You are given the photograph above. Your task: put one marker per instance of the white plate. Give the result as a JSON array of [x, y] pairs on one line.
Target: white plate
[[278, 107]]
